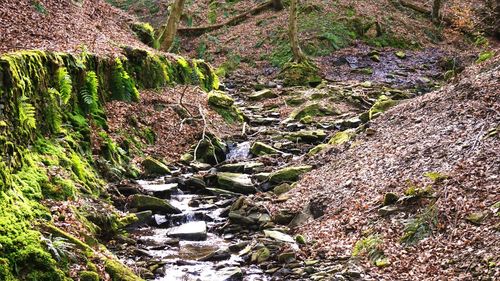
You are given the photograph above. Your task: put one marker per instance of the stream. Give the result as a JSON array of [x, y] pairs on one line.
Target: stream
[[208, 231]]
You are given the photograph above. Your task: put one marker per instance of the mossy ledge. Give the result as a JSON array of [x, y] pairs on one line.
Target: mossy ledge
[[50, 106]]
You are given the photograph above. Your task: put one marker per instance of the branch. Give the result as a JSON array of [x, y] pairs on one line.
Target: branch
[[232, 21], [424, 11]]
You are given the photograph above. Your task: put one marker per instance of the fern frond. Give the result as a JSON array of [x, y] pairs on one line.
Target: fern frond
[[27, 114], [65, 84], [86, 97]]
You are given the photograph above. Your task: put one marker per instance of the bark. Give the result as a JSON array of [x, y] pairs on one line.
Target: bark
[[277, 5], [436, 8], [298, 55], [168, 35]]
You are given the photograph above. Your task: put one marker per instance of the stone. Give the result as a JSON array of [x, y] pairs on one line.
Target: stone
[[230, 274], [198, 166], [224, 105], [317, 149], [218, 191], [143, 217], [300, 239], [239, 183], [313, 109], [477, 218], [88, 276], [240, 219], [261, 176], [289, 174], [194, 231], [400, 54], [375, 57], [263, 94], [218, 255], [211, 151], [382, 104], [350, 123], [260, 149], [387, 210], [286, 257], [342, 137], [243, 167], [280, 236], [307, 136], [306, 120], [283, 188], [156, 205], [160, 190], [390, 198], [261, 255], [154, 167]]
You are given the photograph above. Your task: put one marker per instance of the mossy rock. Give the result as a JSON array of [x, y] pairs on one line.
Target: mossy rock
[[262, 95], [283, 188], [261, 255], [260, 149], [342, 137], [314, 136], [154, 167], [119, 272], [234, 182], [211, 150], [149, 203], [390, 198], [146, 33], [317, 149], [382, 104], [289, 174], [313, 109], [88, 276], [224, 105], [300, 74]]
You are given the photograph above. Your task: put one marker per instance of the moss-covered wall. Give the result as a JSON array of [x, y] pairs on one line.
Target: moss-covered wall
[[50, 106]]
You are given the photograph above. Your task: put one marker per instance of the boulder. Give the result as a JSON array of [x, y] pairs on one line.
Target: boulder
[[224, 105], [289, 174], [342, 137], [154, 167], [211, 150], [317, 149], [280, 236], [243, 167], [230, 274], [160, 190], [313, 109], [307, 136], [263, 94], [282, 188], [261, 255], [260, 149], [193, 231], [239, 183], [156, 205]]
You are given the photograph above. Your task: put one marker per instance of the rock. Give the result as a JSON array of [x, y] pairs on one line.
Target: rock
[[260, 149], [477, 218], [156, 205], [194, 231], [350, 123], [390, 198], [387, 210], [230, 274], [307, 136], [195, 183], [317, 149], [238, 246], [143, 217], [300, 74], [280, 236], [218, 191], [306, 120], [262, 176], [375, 57], [88, 276], [160, 190], [243, 167], [154, 167], [224, 105], [282, 188], [263, 94], [295, 101], [283, 217], [219, 255], [382, 104], [342, 137], [289, 174], [240, 219], [400, 54], [300, 239], [187, 157], [239, 183], [286, 257], [198, 166], [261, 255], [211, 151], [314, 109]]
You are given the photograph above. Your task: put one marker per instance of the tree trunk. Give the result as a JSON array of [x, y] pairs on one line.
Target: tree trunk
[[298, 55], [277, 5], [436, 8], [168, 35]]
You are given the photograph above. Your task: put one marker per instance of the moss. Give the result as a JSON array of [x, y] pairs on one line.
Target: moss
[[88, 276], [371, 247], [289, 174], [224, 105], [317, 149], [342, 137], [259, 149], [118, 272], [146, 33], [300, 74], [314, 109]]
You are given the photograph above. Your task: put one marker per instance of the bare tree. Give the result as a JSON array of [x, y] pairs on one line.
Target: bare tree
[[168, 35], [277, 5], [436, 9], [298, 55]]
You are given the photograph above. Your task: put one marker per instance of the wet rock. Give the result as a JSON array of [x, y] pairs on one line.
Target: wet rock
[[218, 191], [243, 167], [194, 231], [160, 190], [282, 188], [314, 109], [154, 167], [230, 274], [238, 247], [219, 255], [211, 150], [128, 189], [390, 198], [263, 94], [289, 174], [156, 205], [307, 136], [143, 217], [260, 149], [198, 166], [193, 184], [237, 218], [261, 255], [280, 236], [239, 183]]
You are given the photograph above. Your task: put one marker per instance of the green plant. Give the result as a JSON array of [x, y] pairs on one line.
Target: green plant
[[26, 115], [421, 226], [89, 93], [122, 85], [484, 56], [60, 248], [65, 84], [371, 247], [39, 7]]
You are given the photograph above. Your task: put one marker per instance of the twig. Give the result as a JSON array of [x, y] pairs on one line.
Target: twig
[[204, 131], [180, 101]]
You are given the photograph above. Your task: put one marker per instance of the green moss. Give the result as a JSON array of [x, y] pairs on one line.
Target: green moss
[[224, 105], [122, 85], [118, 272], [382, 104], [88, 276], [300, 74], [146, 33], [342, 137], [289, 174], [314, 109], [371, 247]]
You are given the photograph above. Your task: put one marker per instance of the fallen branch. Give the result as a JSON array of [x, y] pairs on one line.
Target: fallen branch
[[232, 21], [200, 109], [424, 11]]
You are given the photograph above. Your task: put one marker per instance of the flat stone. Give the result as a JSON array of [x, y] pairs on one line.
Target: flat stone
[[160, 190], [387, 210], [194, 231], [243, 167], [230, 274], [156, 205], [199, 166], [239, 183], [263, 94], [307, 136], [260, 149], [280, 236], [289, 174], [154, 167]]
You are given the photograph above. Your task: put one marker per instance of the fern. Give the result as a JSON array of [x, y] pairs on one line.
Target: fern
[[52, 113], [65, 84], [60, 248], [26, 115], [123, 86], [89, 94]]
